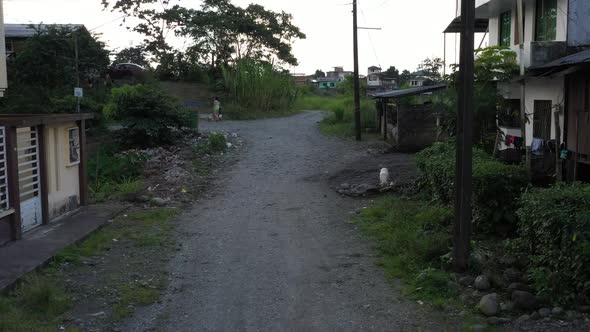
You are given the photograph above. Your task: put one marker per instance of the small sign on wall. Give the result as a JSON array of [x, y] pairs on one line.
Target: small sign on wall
[[74, 145], [78, 92]]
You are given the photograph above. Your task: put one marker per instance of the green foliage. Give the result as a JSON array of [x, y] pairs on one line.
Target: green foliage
[[411, 235], [133, 295], [340, 122], [431, 67], [44, 69], [496, 186], [258, 85], [133, 54], [215, 143], [555, 234], [149, 116]]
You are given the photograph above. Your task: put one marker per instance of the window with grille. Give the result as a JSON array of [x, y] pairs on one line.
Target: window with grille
[[542, 119], [505, 28], [546, 20]]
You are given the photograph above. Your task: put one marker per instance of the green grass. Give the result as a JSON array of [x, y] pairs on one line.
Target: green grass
[[114, 190], [37, 304], [340, 122], [131, 296], [411, 235]]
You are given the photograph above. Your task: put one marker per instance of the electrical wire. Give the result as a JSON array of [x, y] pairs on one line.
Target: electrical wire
[[370, 38]]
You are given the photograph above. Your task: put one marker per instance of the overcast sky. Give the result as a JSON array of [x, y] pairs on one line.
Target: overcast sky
[[411, 29]]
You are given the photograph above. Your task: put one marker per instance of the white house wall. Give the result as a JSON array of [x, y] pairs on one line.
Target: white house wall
[[544, 89]]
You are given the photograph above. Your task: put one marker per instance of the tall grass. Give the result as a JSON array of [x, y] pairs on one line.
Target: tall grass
[[258, 86]]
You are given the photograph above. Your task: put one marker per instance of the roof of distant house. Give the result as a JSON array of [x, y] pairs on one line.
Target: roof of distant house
[[29, 30], [374, 67]]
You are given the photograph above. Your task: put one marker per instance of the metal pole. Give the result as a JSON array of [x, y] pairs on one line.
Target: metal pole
[[523, 115], [357, 93], [463, 183]]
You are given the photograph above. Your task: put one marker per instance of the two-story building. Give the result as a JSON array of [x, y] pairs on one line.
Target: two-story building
[[553, 29], [377, 81]]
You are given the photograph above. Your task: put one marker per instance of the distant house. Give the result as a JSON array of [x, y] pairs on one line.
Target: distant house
[[17, 34], [332, 79], [377, 81], [417, 79], [339, 73], [301, 79]]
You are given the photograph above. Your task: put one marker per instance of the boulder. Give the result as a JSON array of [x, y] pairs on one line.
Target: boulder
[[512, 275], [557, 312], [477, 328], [524, 300], [508, 260], [522, 319], [536, 315], [497, 321], [466, 281], [521, 287], [157, 201], [488, 305], [498, 281], [482, 283], [544, 312], [508, 306]]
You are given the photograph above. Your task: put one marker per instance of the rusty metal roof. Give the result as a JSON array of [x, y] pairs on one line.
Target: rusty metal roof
[[409, 92]]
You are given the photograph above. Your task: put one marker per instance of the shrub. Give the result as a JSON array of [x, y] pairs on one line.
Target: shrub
[[496, 186], [149, 116], [555, 232], [217, 142]]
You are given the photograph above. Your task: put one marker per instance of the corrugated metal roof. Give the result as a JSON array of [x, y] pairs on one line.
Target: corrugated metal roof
[[27, 30], [409, 92], [570, 60]]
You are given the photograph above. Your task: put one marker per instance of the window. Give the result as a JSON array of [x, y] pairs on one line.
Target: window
[[332, 85], [414, 83], [74, 146], [546, 20], [542, 119], [505, 28]]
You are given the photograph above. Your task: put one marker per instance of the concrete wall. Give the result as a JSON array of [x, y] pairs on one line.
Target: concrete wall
[[561, 34], [63, 179], [579, 23], [416, 127]]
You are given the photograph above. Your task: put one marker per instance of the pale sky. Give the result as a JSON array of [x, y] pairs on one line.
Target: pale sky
[[411, 29]]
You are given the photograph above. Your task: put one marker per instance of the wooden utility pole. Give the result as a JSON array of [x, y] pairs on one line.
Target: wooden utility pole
[[357, 93], [77, 59], [523, 115], [464, 163]]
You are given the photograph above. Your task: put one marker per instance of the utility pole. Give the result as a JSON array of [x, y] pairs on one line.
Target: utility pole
[[523, 116], [77, 59], [357, 93], [464, 162]]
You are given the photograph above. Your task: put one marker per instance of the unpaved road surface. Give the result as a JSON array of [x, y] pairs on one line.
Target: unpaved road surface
[[271, 249]]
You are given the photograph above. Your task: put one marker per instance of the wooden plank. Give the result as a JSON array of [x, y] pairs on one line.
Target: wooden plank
[[12, 183]]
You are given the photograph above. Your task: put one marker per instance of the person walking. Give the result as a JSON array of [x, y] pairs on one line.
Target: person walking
[[216, 109]]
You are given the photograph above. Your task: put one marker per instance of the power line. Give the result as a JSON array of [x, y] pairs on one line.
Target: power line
[[371, 39], [107, 23]]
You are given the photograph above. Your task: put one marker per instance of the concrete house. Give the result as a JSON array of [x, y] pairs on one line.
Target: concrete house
[[377, 81], [553, 30], [17, 34]]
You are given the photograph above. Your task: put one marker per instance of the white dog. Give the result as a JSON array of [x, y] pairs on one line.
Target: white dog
[[384, 177]]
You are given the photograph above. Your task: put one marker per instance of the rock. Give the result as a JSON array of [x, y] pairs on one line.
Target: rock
[[508, 306], [557, 312], [477, 327], [544, 312], [584, 308], [229, 145], [512, 275], [466, 281], [143, 199], [497, 321], [524, 300], [157, 201], [536, 315], [482, 283], [571, 315], [508, 260], [520, 286], [522, 319], [488, 304], [498, 281], [463, 313]]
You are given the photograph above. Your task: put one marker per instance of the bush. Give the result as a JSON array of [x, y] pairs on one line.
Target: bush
[[555, 233], [149, 116], [496, 186]]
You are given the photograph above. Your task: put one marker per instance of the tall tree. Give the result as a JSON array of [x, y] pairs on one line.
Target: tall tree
[[319, 73], [392, 72], [431, 68], [404, 77], [134, 54]]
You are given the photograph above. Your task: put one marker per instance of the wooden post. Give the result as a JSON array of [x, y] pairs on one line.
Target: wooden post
[[83, 169], [12, 182], [558, 163], [384, 107], [43, 174], [357, 92], [464, 162]]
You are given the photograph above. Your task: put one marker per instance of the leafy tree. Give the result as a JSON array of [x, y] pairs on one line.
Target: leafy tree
[[44, 69], [319, 73], [404, 77], [134, 54], [431, 68], [392, 72]]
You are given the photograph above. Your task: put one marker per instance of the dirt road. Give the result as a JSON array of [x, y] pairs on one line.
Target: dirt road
[[271, 250]]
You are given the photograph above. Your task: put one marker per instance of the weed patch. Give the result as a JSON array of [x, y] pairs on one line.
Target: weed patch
[[411, 235], [131, 296]]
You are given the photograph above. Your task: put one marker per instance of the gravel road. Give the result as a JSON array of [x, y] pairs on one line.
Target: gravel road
[[271, 249]]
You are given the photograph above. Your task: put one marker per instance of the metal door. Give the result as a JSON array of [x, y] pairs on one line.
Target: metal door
[[29, 179], [3, 172]]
